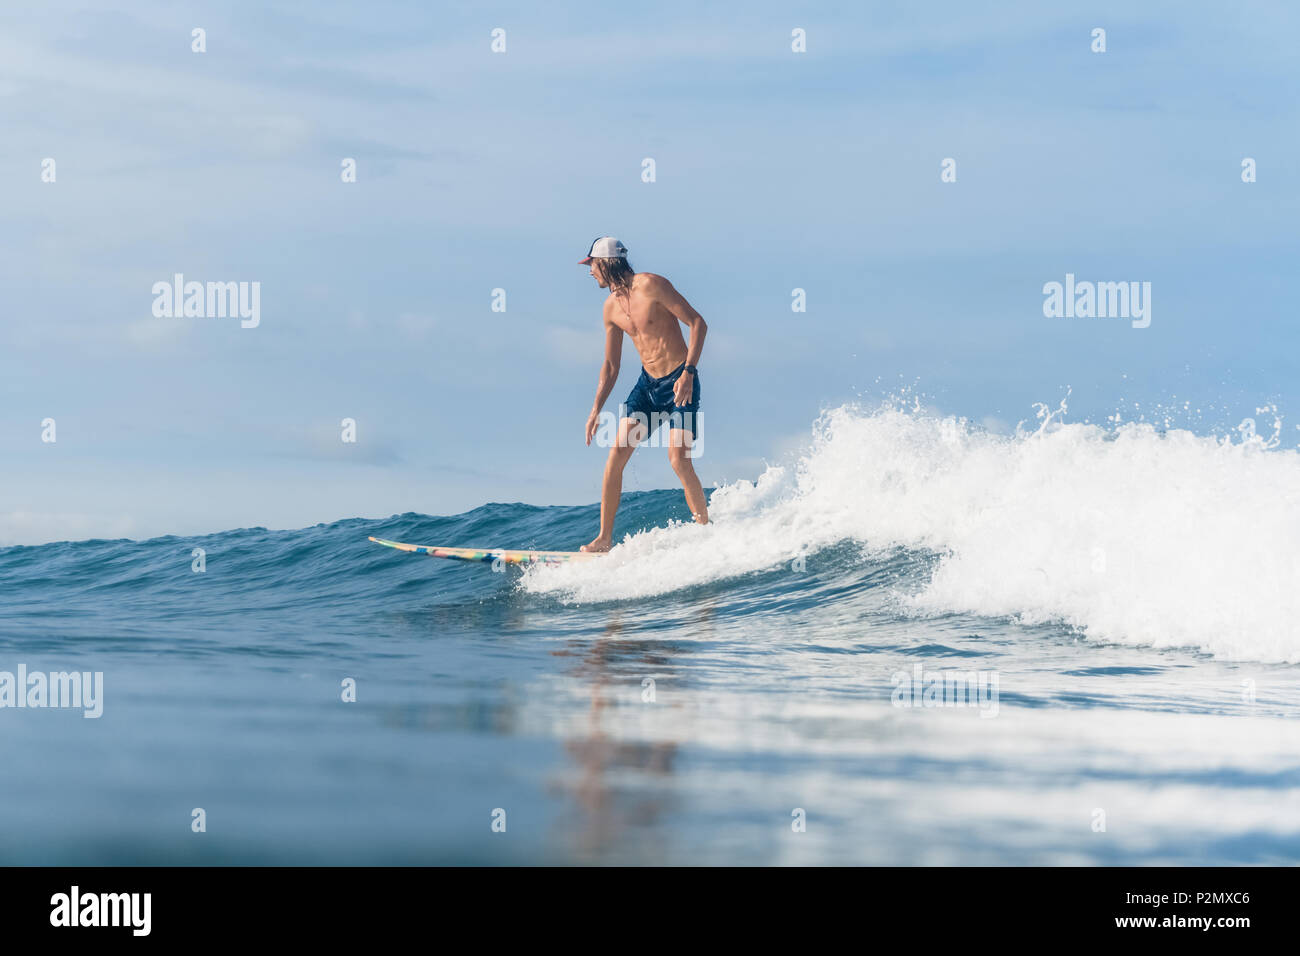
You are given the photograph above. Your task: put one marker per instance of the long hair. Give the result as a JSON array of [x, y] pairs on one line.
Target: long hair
[[617, 273]]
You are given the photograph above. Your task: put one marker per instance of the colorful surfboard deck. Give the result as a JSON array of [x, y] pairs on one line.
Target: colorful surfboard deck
[[490, 554]]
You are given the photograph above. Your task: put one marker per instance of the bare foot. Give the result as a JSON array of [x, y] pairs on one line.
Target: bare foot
[[600, 544]]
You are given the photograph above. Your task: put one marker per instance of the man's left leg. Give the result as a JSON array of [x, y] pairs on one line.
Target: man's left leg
[[679, 456]]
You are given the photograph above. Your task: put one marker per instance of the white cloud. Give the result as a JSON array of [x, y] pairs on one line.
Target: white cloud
[[30, 527], [575, 347], [153, 333], [416, 326]]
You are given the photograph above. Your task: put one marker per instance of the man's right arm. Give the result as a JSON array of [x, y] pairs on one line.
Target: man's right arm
[[608, 374]]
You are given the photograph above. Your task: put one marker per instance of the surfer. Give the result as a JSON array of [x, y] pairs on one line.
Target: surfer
[[647, 308]]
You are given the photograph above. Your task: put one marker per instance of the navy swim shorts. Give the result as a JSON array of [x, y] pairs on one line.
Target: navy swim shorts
[[652, 399]]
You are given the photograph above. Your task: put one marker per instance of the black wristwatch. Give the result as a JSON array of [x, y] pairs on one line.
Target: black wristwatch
[[691, 369]]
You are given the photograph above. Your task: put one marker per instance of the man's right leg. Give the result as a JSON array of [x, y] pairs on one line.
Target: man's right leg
[[630, 432]]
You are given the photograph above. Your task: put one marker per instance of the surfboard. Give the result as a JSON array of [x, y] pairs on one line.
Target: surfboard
[[490, 554]]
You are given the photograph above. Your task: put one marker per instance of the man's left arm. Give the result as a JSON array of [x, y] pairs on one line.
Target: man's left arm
[[686, 314]]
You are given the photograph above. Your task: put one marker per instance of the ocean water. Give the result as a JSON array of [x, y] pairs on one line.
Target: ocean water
[[918, 643]]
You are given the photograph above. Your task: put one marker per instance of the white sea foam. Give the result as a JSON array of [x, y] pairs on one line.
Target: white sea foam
[[1131, 535]]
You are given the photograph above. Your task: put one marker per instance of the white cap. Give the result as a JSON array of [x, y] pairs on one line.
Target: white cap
[[606, 247]]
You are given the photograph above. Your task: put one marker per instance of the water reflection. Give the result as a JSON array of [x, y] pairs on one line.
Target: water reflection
[[619, 784]]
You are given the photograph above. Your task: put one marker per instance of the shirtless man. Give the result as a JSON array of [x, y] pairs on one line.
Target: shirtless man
[[648, 308]]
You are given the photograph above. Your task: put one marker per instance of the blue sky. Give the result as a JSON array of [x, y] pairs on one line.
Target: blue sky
[[478, 171]]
